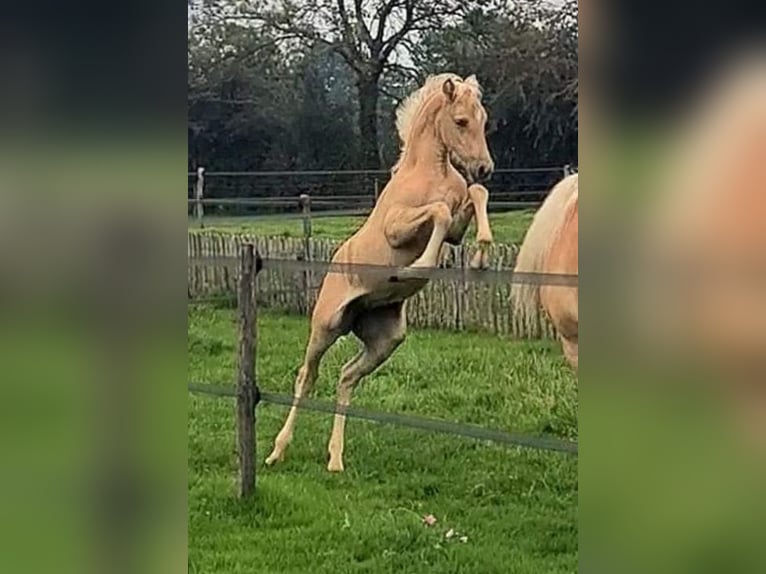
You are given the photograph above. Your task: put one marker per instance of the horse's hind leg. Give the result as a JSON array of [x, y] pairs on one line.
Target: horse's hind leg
[[381, 330], [323, 335], [570, 346]]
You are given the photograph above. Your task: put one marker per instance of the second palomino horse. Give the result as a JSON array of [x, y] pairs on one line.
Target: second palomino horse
[[426, 202], [550, 246]]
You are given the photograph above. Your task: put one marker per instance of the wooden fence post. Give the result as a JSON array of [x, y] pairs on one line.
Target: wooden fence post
[[247, 390], [459, 286], [305, 201], [377, 189], [567, 170], [199, 193]]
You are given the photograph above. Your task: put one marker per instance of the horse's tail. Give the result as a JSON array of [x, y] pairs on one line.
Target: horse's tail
[[525, 297]]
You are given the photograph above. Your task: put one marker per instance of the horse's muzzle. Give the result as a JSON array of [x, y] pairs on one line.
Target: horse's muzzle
[[482, 171]]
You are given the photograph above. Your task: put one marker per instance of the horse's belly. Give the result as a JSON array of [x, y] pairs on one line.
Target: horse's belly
[[393, 292]]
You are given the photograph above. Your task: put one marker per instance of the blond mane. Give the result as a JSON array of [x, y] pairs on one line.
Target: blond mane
[[408, 110]]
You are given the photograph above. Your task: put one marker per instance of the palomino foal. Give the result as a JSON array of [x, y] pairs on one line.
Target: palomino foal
[[426, 202]]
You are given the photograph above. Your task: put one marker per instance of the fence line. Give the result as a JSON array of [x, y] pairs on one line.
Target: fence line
[[384, 172], [296, 183], [355, 200], [355, 212], [248, 394], [459, 299], [395, 274], [330, 207], [524, 440]]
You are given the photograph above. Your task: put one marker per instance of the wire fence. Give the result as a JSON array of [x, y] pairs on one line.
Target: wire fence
[[248, 395], [335, 193], [539, 442], [394, 273]]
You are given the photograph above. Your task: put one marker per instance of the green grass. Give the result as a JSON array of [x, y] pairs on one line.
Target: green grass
[[508, 227], [517, 507]]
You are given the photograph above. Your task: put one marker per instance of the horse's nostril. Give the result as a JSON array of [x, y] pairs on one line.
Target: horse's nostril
[[483, 172]]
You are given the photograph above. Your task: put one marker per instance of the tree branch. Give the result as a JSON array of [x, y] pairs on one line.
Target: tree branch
[[345, 26], [364, 31], [408, 71], [343, 52], [409, 20], [383, 13]]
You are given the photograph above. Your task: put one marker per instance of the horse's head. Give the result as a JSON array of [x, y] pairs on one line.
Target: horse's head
[[461, 123]]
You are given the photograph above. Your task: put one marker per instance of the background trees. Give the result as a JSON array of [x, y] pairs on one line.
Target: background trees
[[299, 85]]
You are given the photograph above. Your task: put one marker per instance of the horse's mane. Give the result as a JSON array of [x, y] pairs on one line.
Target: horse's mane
[[408, 110]]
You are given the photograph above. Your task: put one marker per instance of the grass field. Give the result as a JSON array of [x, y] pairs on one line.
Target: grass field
[[517, 508], [508, 227]]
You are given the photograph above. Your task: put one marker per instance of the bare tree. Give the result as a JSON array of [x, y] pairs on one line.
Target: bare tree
[[371, 37]]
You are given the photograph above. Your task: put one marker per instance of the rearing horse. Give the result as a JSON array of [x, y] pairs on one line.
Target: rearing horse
[[426, 202]]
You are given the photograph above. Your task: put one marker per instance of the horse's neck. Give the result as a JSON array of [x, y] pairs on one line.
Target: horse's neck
[[426, 150], [569, 225]]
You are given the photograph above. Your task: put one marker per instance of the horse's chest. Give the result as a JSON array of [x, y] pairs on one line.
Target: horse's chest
[[453, 195]]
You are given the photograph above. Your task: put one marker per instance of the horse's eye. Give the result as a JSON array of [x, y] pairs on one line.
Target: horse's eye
[[461, 122]]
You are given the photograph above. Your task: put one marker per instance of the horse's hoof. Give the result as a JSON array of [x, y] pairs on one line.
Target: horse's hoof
[[479, 261], [418, 264], [485, 240], [274, 458], [335, 466]]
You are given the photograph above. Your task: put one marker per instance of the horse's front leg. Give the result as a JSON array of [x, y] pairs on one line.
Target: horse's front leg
[[461, 219], [403, 225], [479, 197]]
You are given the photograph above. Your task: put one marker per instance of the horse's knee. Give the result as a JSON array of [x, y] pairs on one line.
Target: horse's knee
[[308, 370], [347, 381], [477, 192], [441, 214]]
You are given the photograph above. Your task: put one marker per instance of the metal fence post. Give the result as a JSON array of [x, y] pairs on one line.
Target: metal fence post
[[199, 193], [567, 170], [247, 390], [377, 188]]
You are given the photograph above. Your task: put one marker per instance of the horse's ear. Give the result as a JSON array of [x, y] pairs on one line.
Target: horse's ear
[[474, 83], [448, 87]]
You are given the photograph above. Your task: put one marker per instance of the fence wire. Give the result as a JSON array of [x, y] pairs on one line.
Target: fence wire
[[344, 206], [397, 274], [369, 172], [525, 440]]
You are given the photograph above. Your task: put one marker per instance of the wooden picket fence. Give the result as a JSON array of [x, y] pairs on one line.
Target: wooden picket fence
[[452, 305]]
